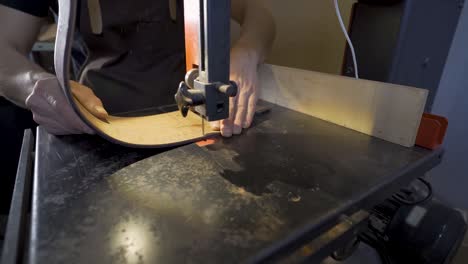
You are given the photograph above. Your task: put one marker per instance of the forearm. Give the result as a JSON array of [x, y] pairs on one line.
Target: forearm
[[257, 28], [18, 75]]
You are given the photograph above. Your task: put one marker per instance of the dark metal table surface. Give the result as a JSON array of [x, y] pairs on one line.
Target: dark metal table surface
[[242, 198]]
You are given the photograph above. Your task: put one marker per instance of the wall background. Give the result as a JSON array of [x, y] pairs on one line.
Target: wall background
[[450, 179], [308, 34]]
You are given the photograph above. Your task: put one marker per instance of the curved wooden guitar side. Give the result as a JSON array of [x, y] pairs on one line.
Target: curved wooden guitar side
[[163, 130], [157, 131]]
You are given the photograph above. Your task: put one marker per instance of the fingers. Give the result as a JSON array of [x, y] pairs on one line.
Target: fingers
[[252, 105], [52, 111], [227, 124], [58, 121], [240, 114], [242, 107], [89, 100]]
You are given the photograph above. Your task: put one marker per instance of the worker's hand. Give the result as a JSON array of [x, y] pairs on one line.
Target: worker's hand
[[51, 109], [244, 64]]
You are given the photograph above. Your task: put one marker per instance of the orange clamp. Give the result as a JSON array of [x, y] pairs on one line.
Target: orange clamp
[[431, 131]]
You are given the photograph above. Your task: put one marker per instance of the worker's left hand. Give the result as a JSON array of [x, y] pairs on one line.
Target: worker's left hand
[[244, 64]]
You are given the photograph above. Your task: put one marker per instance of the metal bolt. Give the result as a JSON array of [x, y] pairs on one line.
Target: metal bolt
[[229, 89]]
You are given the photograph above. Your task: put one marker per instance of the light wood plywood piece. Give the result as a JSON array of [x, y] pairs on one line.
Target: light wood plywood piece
[[387, 111]]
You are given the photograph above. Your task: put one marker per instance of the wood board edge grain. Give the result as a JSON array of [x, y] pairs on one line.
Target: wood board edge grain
[[387, 111]]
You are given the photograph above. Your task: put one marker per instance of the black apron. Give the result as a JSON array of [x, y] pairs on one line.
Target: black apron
[[139, 59]]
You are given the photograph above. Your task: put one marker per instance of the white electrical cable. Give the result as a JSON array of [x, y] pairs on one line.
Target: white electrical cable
[[351, 47]]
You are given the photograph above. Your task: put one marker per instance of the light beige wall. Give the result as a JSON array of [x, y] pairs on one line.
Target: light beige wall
[[308, 34]]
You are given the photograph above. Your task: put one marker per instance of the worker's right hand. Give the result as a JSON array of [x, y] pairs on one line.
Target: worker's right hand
[[51, 109]]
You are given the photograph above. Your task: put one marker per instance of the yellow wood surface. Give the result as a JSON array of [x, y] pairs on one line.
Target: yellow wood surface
[[154, 130], [387, 111]]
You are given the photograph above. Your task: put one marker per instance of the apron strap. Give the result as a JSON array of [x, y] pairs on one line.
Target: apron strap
[[95, 16], [173, 9]]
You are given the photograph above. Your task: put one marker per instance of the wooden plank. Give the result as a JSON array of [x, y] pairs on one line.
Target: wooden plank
[[387, 111]]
